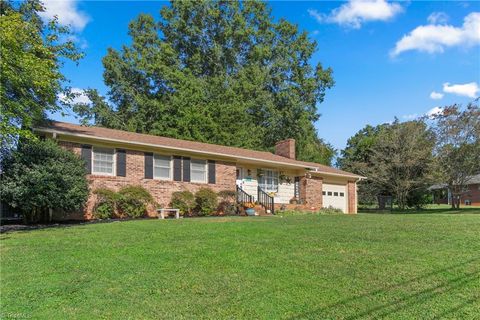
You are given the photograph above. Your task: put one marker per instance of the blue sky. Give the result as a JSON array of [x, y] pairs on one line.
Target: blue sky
[[389, 58]]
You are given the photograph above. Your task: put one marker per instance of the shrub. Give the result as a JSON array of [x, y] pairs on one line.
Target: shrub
[[183, 200], [418, 199], [206, 201], [228, 203], [330, 210], [133, 201], [106, 203], [40, 175], [297, 212]]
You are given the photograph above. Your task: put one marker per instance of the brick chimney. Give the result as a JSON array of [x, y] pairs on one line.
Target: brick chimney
[[285, 148]]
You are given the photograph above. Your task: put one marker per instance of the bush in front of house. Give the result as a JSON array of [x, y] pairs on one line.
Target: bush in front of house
[[40, 175], [323, 211], [330, 210], [106, 203], [206, 201], [184, 201], [133, 201], [228, 203]]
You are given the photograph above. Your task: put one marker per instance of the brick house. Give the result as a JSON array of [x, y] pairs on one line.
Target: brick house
[[116, 158], [470, 196]]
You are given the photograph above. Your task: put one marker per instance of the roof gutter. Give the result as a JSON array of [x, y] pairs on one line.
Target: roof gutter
[[339, 174]]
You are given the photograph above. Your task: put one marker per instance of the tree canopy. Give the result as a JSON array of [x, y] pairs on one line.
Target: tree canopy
[[31, 55], [40, 175], [215, 71], [458, 147], [396, 158]]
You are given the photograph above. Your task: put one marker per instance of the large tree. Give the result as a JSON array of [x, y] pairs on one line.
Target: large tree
[[215, 71], [39, 177], [396, 158], [31, 55], [458, 147], [357, 155]]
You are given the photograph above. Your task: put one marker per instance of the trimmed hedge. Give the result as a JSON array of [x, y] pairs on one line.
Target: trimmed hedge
[[106, 204], [228, 203], [183, 200], [206, 201], [133, 201], [130, 201]]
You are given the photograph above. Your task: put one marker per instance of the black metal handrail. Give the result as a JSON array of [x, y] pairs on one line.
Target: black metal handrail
[[243, 197], [266, 200]]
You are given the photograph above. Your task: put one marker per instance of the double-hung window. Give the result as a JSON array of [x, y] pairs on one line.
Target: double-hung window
[[103, 161], [162, 167], [198, 171], [269, 181]]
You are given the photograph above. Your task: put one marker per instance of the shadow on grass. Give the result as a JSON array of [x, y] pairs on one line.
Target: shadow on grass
[[469, 210], [6, 228], [415, 298]]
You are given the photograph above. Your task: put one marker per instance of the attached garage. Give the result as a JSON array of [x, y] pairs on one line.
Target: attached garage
[[335, 195]]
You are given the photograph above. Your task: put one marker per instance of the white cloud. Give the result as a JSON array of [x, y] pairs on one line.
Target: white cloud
[[317, 15], [436, 95], [410, 116], [67, 13], [468, 89], [436, 37], [79, 96], [437, 18], [356, 12], [434, 111], [430, 113]]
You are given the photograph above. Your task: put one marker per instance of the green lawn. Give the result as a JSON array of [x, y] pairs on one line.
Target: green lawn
[[368, 266]]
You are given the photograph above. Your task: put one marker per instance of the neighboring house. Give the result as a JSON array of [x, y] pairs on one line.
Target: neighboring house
[[471, 195], [116, 158]]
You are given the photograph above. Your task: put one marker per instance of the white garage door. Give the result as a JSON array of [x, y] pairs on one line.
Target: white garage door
[[335, 195]]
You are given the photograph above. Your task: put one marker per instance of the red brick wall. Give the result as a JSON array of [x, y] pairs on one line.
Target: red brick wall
[[473, 195], [352, 196], [311, 191], [161, 190], [285, 148]]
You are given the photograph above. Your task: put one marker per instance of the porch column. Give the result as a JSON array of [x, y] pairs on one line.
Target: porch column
[[311, 191], [352, 196]]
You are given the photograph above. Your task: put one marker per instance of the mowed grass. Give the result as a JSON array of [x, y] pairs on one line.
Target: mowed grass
[[369, 266]]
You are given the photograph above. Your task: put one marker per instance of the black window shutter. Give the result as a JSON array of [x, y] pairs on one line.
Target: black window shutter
[[121, 163], [148, 165], [186, 169], [86, 155], [177, 168], [211, 172]]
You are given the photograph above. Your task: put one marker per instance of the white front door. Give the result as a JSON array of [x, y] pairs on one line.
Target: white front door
[[335, 196]]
